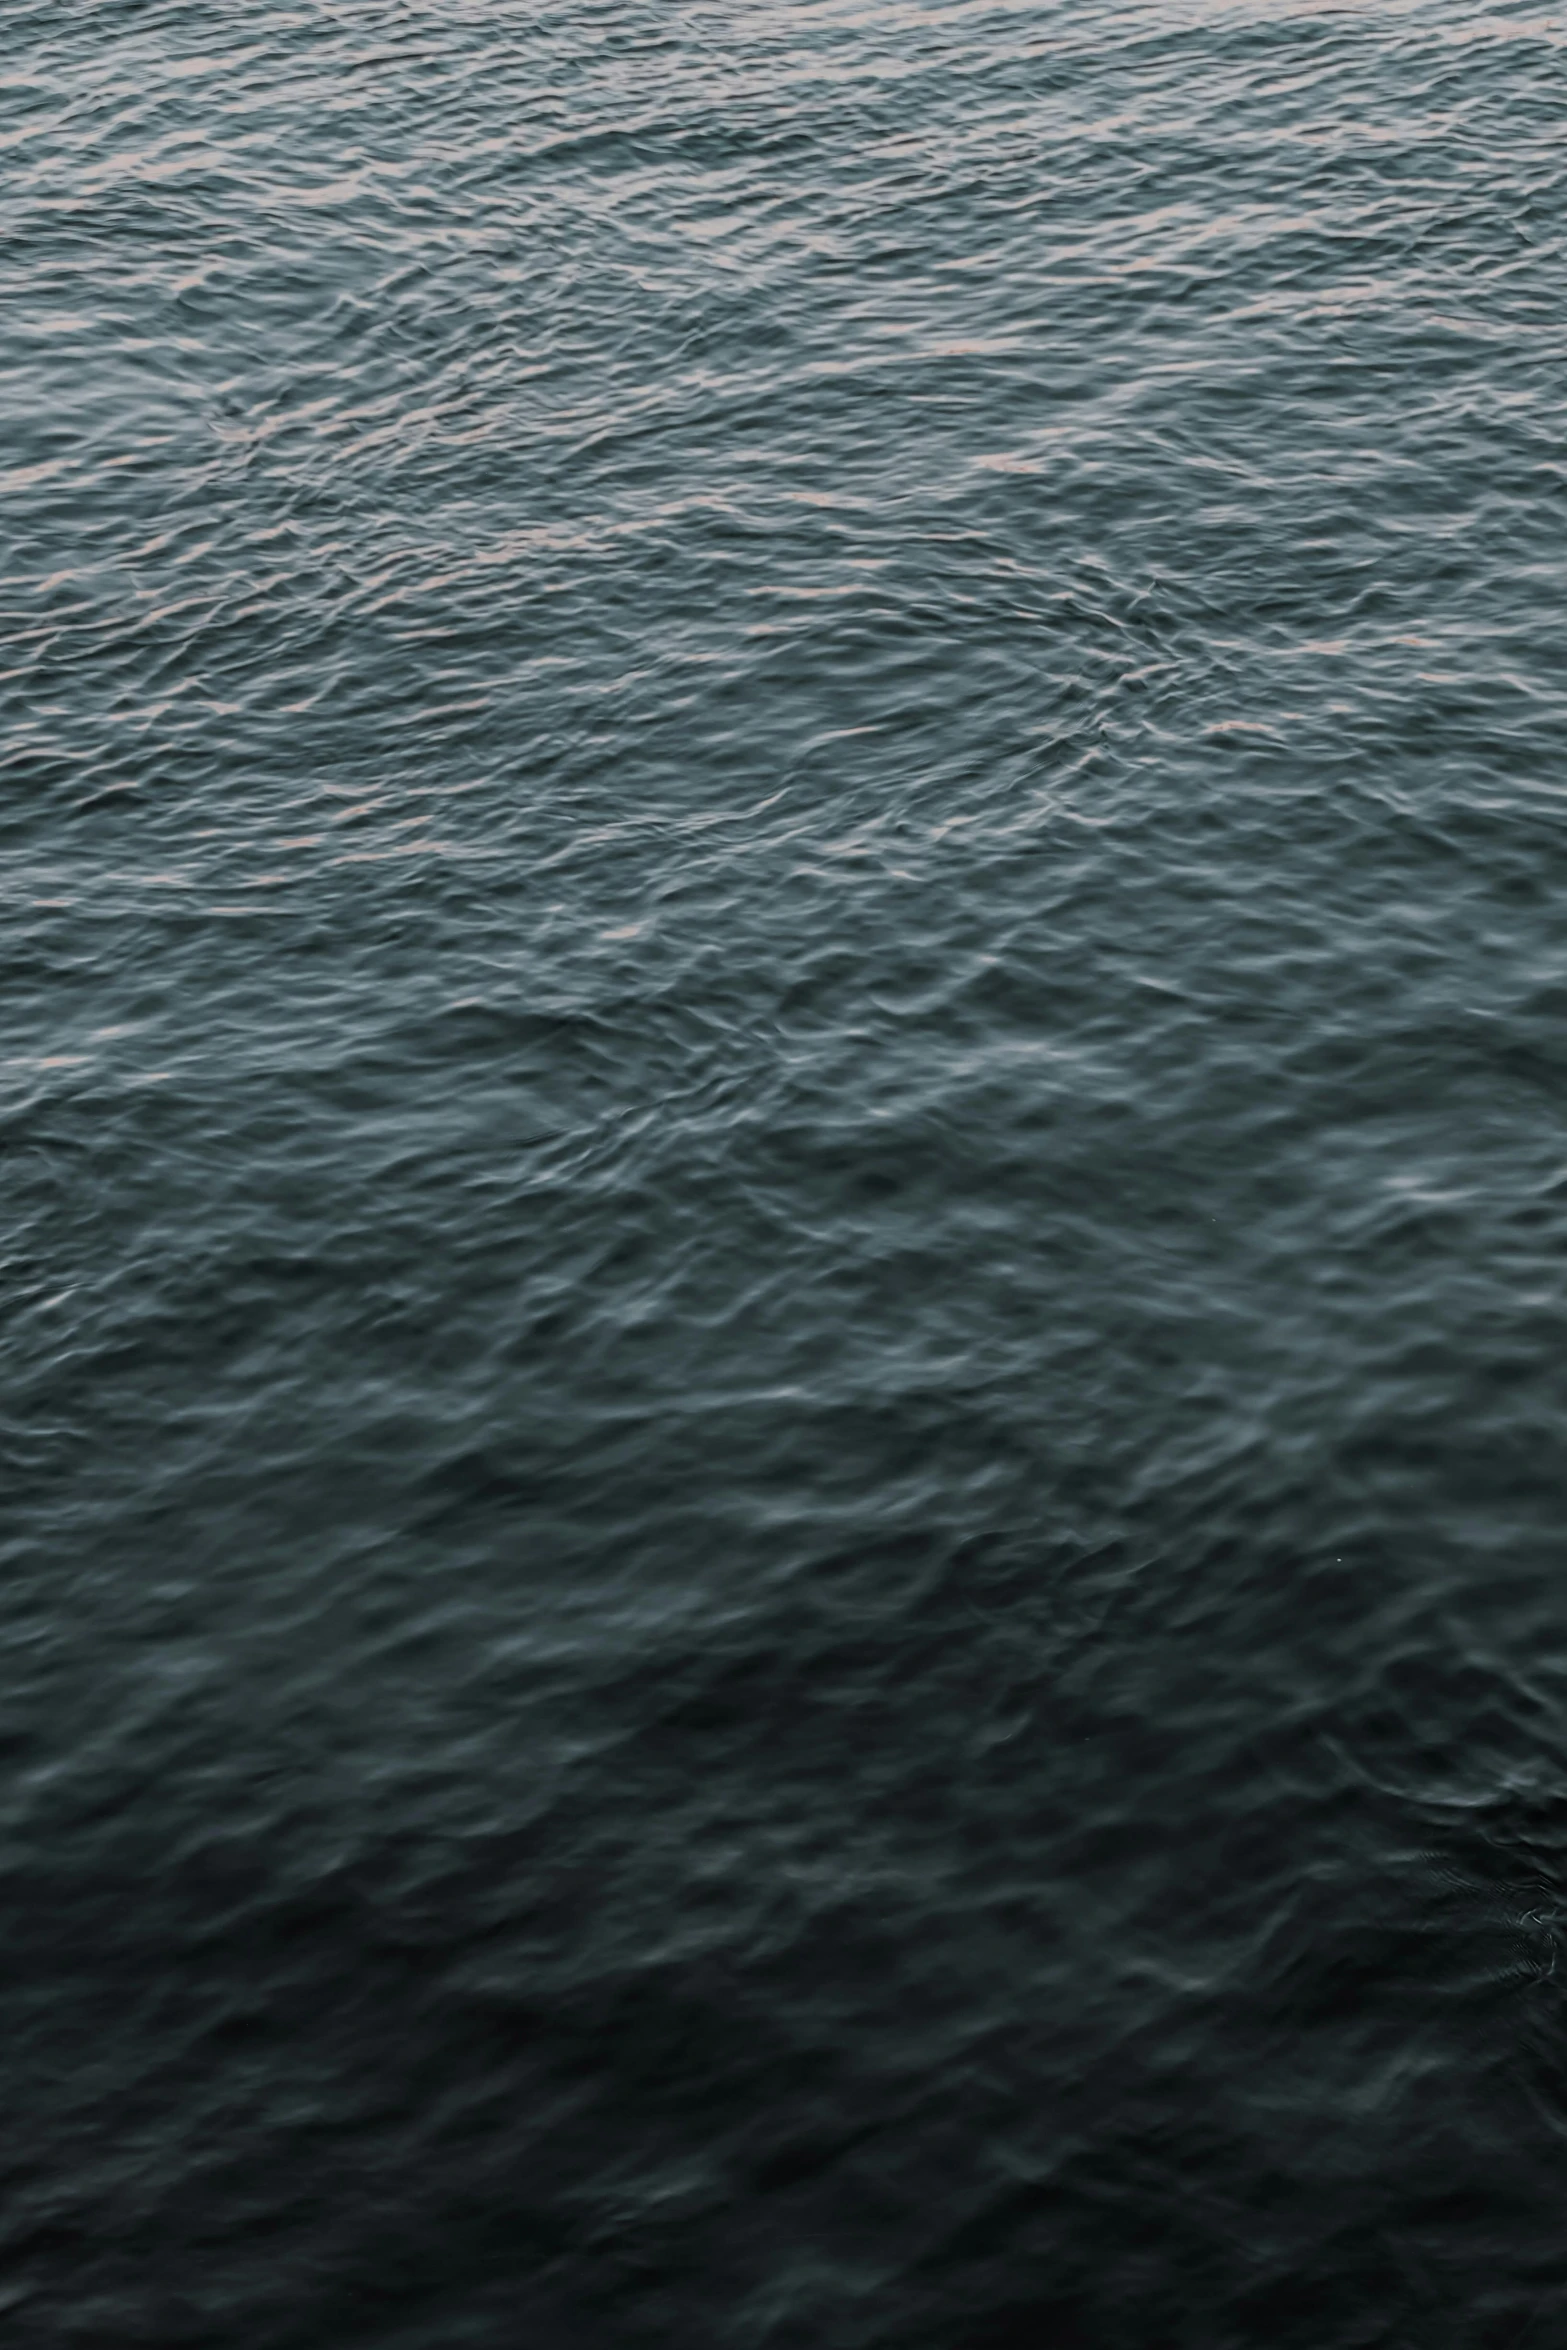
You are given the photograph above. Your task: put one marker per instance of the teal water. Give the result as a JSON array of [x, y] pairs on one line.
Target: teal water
[[784, 967]]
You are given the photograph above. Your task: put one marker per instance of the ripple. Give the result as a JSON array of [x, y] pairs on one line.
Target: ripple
[[783, 1180]]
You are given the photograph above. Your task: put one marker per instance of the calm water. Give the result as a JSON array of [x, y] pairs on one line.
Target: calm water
[[784, 1041]]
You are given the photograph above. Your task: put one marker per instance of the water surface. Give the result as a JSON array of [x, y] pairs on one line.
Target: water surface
[[785, 1015]]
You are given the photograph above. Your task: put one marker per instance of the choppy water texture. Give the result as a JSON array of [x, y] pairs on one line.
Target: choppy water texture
[[785, 1024]]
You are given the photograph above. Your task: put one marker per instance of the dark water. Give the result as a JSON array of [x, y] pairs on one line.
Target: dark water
[[785, 1029]]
